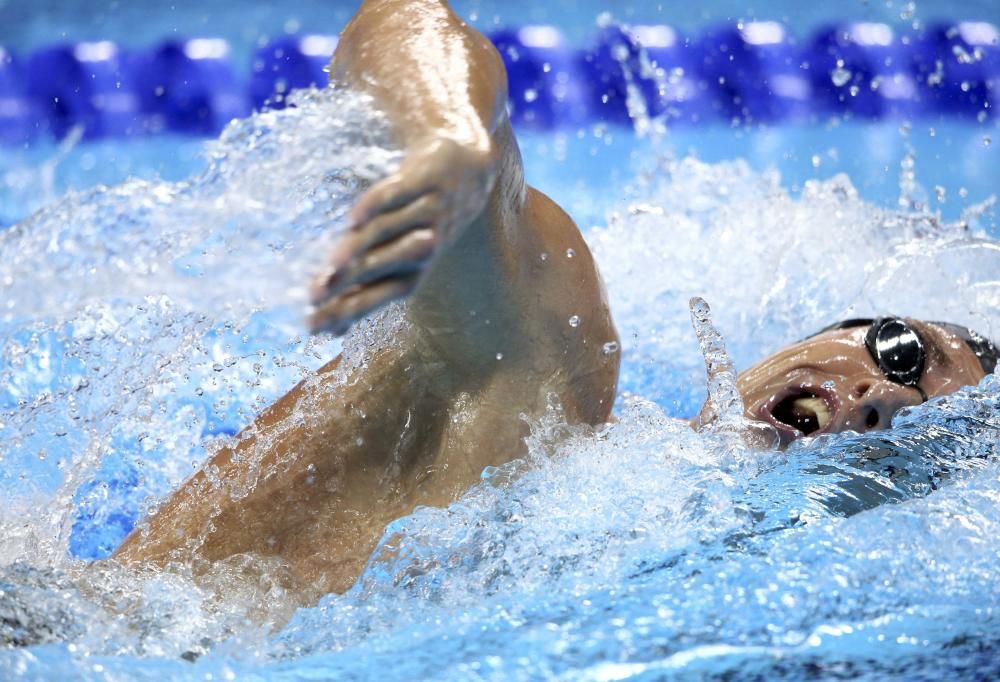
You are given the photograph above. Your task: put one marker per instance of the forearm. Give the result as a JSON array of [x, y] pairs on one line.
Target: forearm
[[443, 87], [433, 76]]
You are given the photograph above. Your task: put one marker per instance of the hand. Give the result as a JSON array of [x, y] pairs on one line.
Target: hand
[[397, 227]]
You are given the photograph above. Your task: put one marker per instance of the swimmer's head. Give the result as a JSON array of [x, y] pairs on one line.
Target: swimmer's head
[[855, 375]]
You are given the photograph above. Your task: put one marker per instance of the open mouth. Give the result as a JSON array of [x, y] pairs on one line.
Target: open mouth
[[803, 411]]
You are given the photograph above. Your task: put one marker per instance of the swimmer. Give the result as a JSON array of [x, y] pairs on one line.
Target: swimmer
[[496, 321]]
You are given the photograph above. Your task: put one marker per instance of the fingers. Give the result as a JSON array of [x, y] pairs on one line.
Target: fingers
[[404, 255], [385, 273], [422, 212], [386, 196], [337, 314]]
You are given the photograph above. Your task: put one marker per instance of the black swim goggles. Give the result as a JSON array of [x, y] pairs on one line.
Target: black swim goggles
[[898, 350], [895, 346]]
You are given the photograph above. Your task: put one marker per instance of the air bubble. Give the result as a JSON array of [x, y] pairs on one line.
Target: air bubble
[[610, 347], [570, 253], [574, 321]]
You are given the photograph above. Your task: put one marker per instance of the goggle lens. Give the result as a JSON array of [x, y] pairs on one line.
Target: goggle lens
[[897, 350]]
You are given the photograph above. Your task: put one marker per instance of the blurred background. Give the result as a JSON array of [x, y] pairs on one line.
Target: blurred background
[[895, 94]]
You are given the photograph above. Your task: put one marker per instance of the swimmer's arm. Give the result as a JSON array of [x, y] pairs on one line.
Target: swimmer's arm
[[444, 89], [431, 73]]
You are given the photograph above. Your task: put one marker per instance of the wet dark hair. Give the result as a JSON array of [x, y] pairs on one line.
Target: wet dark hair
[[985, 350]]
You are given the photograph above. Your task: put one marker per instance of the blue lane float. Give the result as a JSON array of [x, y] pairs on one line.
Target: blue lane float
[[17, 119], [867, 70], [545, 83], [614, 78], [289, 64], [85, 85], [750, 72], [190, 87], [679, 90], [757, 72], [959, 66]]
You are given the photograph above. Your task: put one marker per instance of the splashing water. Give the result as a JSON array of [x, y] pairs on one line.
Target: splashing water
[[725, 406], [642, 548], [273, 190], [144, 324], [723, 412]]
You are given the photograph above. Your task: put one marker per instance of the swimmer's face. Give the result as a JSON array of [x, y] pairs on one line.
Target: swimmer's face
[[831, 382]]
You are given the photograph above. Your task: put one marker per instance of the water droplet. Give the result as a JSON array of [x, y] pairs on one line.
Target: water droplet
[[854, 90], [962, 56], [829, 385], [199, 391], [931, 132], [610, 347], [499, 356], [963, 192], [544, 256], [530, 95], [574, 321], [570, 253], [840, 75], [217, 367], [816, 161], [987, 140], [939, 192], [937, 77]]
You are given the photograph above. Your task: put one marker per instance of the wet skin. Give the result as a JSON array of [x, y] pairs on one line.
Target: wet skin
[[477, 256], [843, 386]]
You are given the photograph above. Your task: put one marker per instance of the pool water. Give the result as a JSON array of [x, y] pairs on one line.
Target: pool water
[[145, 321]]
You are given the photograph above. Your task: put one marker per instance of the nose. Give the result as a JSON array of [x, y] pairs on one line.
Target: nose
[[877, 402]]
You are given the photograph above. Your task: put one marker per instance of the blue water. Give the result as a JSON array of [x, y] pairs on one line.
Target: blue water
[[642, 551]]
